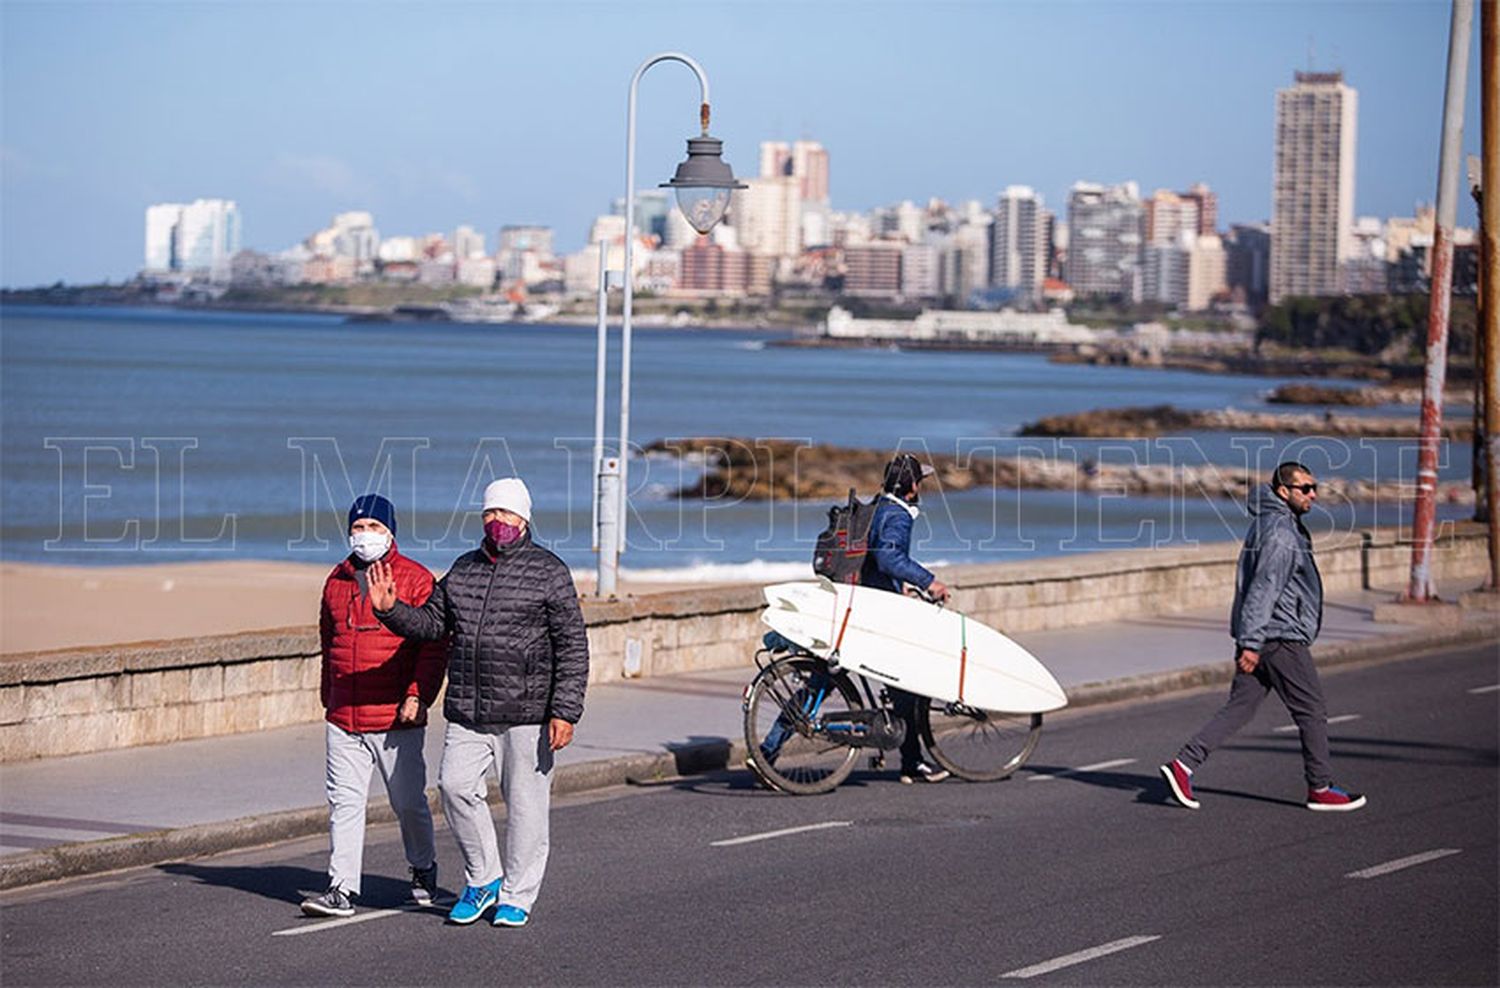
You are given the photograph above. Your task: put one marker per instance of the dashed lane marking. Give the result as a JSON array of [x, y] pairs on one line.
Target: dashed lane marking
[[1486, 689], [1375, 871], [773, 834], [1097, 767], [1341, 719], [1082, 956]]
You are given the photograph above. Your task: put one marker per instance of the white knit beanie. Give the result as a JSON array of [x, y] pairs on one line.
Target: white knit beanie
[[508, 494]]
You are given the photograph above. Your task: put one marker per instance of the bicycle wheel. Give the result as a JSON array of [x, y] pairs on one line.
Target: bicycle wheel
[[978, 745], [785, 707]]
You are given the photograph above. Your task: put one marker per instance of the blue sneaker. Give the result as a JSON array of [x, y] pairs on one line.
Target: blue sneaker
[[510, 916], [472, 904]]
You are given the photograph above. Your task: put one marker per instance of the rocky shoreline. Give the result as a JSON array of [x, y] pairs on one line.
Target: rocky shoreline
[[783, 470], [1159, 420]]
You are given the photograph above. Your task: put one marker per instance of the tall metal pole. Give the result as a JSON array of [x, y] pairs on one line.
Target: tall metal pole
[[1489, 276], [600, 349], [1421, 586], [625, 339]]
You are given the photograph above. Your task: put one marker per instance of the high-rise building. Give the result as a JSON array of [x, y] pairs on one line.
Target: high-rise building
[[1206, 271], [873, 269], [1247, 262], [1312, 198], [1105, 232], [467, 242], [161, 236], [767, 215], [919, 271], [1207, 202], [1018, 243], [1165, 269], [806, 161], [1168, 216], [197, 238]]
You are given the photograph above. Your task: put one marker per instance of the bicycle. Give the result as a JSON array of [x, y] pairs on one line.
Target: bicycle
[[806, 723]]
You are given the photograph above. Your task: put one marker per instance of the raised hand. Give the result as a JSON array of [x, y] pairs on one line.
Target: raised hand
[[382, 585]]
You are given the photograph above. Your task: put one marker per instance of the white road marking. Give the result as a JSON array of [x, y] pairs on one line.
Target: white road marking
[[1485, 689], [318, 926], [1341, 719], [1375, 871], [772, 834], [1098, 767], [1093, 953]]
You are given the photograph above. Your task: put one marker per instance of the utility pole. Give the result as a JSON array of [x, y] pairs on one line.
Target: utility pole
[[1422, 588]]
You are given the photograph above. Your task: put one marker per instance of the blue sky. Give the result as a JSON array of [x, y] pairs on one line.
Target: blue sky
[[437, 114]]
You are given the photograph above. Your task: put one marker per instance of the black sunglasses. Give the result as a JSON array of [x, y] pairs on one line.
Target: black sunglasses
[[1304, 488]]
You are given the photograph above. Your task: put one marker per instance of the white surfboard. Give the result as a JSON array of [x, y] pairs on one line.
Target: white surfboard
[[912, 644]]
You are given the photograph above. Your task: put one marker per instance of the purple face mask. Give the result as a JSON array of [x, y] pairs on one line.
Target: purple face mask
[[501, 533]]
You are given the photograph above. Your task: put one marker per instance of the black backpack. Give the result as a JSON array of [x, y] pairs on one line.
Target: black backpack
[[840, 552]]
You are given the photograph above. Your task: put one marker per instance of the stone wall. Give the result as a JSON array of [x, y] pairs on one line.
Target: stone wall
[[89, 699]]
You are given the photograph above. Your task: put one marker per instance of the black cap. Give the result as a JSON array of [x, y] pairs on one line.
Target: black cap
[[903, 473]]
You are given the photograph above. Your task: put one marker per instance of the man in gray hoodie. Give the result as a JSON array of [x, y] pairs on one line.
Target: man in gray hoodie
[[1278, 610]]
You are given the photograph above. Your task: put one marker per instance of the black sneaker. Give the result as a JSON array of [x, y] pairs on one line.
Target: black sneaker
[[424, 885], [922, 772], [334, 902]]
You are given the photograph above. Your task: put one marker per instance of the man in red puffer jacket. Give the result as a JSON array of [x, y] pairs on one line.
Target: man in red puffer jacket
[[376, 690]]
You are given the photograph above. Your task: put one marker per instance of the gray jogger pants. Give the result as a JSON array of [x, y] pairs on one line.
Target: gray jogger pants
[[352, 759], [1287, 668], [523, 760]]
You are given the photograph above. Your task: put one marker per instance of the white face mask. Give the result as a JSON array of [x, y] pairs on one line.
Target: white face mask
[[370, 546]]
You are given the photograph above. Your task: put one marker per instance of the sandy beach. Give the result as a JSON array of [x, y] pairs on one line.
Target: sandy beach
[[48, 607]]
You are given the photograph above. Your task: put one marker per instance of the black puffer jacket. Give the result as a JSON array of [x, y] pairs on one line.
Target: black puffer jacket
[[519, 652]]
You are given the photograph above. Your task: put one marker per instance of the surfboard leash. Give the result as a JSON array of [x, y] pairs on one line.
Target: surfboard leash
[[963, 654]]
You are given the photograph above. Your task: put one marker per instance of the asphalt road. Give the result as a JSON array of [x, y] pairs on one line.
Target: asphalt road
[[1077, 871]]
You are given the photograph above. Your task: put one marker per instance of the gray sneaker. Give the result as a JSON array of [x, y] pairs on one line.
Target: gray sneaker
[[424, 885], [334, 902]]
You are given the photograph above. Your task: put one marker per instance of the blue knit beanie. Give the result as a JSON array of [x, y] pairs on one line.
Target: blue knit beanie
[[373, 506]]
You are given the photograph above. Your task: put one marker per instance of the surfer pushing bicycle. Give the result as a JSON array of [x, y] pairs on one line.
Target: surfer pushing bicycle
[[889, 566]]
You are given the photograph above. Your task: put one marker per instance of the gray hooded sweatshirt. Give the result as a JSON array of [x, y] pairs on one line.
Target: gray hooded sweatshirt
[[1278, 593]]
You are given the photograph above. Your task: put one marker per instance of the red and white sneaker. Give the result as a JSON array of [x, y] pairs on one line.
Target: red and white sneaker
[[1332, 799], [1180, 782]]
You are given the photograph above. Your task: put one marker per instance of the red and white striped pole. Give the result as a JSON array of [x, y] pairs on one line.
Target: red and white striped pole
[[1424, 523]]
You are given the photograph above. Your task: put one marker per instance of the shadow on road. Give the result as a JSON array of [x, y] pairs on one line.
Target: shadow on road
[[1150, 790], [285, 883]]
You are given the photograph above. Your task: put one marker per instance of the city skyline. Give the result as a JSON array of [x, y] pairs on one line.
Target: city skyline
[[898, 94]]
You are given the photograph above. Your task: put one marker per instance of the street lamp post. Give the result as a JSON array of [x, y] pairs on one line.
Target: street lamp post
[[702, 183]]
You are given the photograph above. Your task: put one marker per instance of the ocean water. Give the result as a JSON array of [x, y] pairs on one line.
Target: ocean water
[[136, 436]]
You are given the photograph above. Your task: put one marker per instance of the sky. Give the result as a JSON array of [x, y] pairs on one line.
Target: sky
[[434, 115]]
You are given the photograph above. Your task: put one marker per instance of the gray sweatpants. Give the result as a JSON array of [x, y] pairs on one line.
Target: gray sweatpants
[[1287, 668], [523, 760], [352, 759]]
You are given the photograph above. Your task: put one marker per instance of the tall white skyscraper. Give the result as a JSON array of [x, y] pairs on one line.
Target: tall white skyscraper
[[1312, 198], [767, 216], [1106, 225], [161, 235], [1018, 242], [197, 238]]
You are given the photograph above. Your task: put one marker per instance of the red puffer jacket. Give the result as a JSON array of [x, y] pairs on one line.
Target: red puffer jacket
[[368, 670]]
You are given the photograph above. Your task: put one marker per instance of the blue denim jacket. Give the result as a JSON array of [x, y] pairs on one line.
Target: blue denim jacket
[[889, 564]]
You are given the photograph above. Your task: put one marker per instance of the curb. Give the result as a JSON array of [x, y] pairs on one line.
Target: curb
[[180, 843]]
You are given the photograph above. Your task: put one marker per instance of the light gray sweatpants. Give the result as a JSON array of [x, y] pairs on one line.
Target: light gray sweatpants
[[352, 759], [523, 760]]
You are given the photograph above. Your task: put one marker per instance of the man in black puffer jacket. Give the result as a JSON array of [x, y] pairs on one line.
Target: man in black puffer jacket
[[518, 661]]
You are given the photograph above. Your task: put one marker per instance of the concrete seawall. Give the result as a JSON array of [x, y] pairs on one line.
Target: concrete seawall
[[72, 701]]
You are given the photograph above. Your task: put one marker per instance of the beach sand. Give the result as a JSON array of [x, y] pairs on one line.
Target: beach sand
[[48, 607]]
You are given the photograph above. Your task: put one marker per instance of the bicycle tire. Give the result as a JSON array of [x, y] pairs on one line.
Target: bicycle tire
[[804, 763], [978, 745]]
